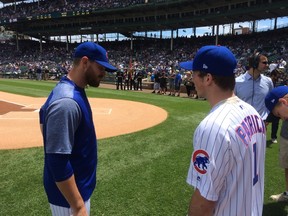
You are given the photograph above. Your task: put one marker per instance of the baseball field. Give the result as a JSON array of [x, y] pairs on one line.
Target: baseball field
[[144, 146]]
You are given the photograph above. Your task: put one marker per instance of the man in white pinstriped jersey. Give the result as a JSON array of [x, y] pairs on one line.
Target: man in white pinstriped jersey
[[227, 163]]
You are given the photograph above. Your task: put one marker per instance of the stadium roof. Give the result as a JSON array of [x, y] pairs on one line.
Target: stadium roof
[[7, 1], [167, 15], [10, 1]]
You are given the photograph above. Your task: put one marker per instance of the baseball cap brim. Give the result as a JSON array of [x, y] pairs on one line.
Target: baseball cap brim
[[188, 65], [107, 66]]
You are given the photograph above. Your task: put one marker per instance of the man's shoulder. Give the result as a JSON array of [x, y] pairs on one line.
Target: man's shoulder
[[65, 103], [266, 77], [241, 77]]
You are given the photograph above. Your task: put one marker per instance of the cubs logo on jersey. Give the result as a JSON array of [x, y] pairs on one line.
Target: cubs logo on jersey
[[201, 161]]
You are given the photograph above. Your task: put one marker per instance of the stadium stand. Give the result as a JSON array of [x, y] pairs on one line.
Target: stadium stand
[[24, 9], [148, 54]]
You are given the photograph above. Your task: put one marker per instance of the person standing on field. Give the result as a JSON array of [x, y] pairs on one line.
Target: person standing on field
[[177, 81], [227, 163], [171, 78], [276, 102], [69, 137], [253, 86]]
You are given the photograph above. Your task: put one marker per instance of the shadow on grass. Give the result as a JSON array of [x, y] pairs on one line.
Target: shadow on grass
[[269, 143], [275, 209]]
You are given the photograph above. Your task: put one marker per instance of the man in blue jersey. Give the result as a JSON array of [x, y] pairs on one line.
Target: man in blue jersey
[[177, 81], [69, 137]]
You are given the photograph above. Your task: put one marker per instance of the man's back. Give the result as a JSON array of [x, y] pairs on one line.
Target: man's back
[[227, 164]]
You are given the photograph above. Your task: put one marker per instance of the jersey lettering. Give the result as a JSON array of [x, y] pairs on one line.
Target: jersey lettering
[[255, 179], [251, 125]]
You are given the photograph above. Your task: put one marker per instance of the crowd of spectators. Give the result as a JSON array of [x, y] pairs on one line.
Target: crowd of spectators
[[147, 55], [26, 9]]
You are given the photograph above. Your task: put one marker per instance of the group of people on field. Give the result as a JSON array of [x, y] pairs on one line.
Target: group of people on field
[[129, 79], [170, 83], [227, 166]]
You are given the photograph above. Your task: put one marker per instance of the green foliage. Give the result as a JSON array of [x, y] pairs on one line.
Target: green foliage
[[141, 174]]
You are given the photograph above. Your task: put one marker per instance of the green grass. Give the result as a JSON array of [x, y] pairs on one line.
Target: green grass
[[139, 174]]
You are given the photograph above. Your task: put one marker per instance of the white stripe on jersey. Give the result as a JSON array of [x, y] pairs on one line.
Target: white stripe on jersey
[[223, 167]]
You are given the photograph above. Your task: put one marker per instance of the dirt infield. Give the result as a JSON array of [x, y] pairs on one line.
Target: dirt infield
[[19, 120]]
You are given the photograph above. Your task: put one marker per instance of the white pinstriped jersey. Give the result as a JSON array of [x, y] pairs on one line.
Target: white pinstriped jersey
[[227, 164]]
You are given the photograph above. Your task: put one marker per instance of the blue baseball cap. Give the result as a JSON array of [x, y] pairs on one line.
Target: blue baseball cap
[[95, 53], [217, 60], [274, 95]]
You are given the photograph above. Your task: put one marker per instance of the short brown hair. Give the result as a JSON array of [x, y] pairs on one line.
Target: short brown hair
[[224, 82]]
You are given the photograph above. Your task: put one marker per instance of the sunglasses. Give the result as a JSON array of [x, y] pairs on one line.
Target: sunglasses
[[265, 62]]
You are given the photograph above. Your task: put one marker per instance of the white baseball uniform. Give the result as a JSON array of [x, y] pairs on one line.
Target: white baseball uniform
[[227, 164], [63, 211]]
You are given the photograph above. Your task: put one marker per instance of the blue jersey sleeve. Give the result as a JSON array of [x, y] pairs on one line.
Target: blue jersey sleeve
[[60, 166]]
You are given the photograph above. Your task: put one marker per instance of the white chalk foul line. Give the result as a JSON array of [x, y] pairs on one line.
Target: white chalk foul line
[[102, 111], [96, 111], [13, 103]]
